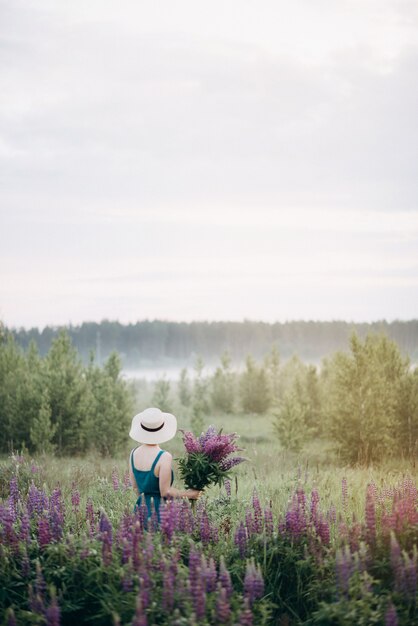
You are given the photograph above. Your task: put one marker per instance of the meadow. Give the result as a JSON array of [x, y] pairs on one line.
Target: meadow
[[293, 539]]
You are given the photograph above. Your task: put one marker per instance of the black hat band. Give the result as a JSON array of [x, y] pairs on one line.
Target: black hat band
[[152, 430]]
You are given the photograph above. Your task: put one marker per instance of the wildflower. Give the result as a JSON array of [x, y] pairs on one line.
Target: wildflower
[[246, 616], [268, 520], [391, 616], [53, 613], [371, 513], [223, 608], [344, 493], [44, 532], [224, 578], [75, 499], [253, 582], [227, 484], [240, 540], [115, 479]]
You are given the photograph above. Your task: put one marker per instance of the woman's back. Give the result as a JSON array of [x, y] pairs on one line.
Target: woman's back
[[147, 477]]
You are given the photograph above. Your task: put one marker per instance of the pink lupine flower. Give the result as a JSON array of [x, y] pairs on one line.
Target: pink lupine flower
[[190, 442]]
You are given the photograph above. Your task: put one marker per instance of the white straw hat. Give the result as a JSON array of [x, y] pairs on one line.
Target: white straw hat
[[153, 426]]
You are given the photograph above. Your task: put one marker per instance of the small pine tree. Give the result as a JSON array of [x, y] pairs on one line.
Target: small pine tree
[[42, 430], [290, 422], [183, 388], [272, 364], [161, 395], [254, 387], [200, 406], [223, 386]]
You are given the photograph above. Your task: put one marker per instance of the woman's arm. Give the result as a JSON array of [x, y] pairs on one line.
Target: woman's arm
[[166, 489], [132, 477]]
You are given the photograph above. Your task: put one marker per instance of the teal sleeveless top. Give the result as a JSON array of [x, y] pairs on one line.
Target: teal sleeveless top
[[148, 485]]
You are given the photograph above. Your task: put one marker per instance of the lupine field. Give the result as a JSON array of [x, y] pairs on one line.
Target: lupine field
[[322, 546]]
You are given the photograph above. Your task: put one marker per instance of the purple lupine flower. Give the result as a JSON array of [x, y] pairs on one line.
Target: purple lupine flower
[[210, 575], [205, 529], [322, 529], [258, 515], [220, 447], [207, 436], [198, 596], [140, 618], [11, 537], [37, 593], [115, 479], [106, 548], [36, 603], [75, 499], [44, 532], [37, 501], [53, 613], [127, 580], [391, 616], [332, 514], [371, 513], [190, 442], [224, 577], [105, 524], [343, 564], [344, 493], [25, 565], [227, 485], [186, 518], [223, 607], [168, 517], [40, 584], [135, 544], [106, 536], [249, 522], [127, 480], [268, 520], [240, 540], [144, 588], [301, 498], [14, 492], [169, 585], [253, 583], [314, 503], [56, 515], [295, 519], [227, 464], [246, 615]]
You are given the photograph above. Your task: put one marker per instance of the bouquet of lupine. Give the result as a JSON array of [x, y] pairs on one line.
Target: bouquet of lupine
[[208, 460]]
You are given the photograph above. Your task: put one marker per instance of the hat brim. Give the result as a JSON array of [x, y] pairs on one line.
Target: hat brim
[[167, 432]]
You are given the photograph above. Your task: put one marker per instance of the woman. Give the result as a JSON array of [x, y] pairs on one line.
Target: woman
[[150, 467]]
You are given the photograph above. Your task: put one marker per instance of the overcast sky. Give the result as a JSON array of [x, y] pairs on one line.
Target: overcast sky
[[208, 160]]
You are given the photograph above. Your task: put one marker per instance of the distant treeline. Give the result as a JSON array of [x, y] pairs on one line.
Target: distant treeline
[[160, 341]]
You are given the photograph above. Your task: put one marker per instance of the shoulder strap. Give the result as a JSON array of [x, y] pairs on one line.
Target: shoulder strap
[[156, 460], [132, 459]]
